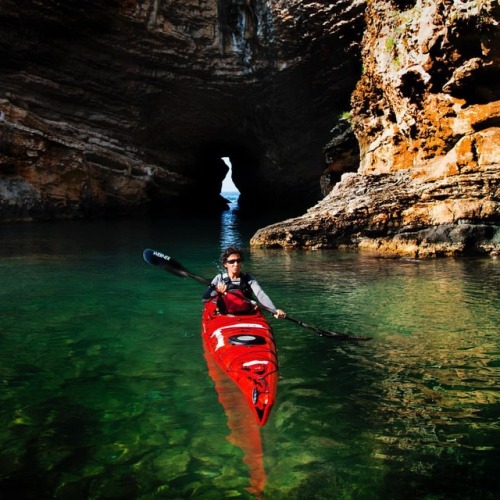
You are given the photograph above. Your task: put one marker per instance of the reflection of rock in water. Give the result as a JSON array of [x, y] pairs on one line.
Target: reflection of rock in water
[[245, 432]]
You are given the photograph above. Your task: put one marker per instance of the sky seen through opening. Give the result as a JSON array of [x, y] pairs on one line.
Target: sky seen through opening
[[228, 184]]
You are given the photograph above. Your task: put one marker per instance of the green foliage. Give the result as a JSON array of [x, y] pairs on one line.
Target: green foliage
[[345, 115], [390, 43]]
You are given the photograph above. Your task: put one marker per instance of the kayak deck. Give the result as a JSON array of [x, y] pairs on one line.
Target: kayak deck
[[243, 346]]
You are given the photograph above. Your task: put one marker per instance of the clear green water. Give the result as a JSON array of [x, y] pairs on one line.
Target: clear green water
[[105, 392]]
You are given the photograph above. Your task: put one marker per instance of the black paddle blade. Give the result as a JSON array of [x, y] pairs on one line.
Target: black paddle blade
[[171, 265]]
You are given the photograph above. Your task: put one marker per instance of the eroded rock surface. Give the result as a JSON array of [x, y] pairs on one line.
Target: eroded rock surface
[[118, 107], [426, 115], [388, 108]]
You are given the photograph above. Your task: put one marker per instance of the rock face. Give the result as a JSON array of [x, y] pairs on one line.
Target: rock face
[[118, 107], [426, 115], [387, 108]]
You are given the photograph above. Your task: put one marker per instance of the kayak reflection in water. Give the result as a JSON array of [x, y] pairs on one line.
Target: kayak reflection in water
[[244, 429], [235, 289]]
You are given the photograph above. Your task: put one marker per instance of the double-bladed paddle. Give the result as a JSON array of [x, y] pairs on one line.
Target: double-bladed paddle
[[173, 266]]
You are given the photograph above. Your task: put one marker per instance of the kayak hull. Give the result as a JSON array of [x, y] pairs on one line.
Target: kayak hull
[[243, 347]]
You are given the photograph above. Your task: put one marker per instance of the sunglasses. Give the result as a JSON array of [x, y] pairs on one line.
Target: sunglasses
[[234, 261]]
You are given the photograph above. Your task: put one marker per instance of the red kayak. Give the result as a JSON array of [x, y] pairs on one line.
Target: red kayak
[[243, 346]]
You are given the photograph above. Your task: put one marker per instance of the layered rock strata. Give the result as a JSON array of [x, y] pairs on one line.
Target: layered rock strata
[[127, 106], [426, 116]]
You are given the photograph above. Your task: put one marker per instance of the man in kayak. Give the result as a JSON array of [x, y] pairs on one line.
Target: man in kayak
[[235, 288]]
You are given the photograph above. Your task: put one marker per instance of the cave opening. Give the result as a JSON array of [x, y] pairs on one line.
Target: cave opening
[[229, 166], [228, 185]]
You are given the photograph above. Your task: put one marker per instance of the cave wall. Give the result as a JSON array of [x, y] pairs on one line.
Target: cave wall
[[426, 118], [382, 116], [124, 106]]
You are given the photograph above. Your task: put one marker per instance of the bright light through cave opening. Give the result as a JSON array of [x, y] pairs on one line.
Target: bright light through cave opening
[[228, 184]]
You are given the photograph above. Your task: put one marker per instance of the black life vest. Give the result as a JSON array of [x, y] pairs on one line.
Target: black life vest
[[243, 286], [238, 297]]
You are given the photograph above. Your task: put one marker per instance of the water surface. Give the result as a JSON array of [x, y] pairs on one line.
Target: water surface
[[106, 392]]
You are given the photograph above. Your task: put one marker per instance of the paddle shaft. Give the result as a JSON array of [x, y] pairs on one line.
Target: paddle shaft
[[173, 266]]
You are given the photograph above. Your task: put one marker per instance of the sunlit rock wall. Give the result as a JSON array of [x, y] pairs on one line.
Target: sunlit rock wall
[[426, 116]]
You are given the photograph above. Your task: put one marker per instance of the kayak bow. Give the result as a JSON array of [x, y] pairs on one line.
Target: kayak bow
[[243, 347]]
